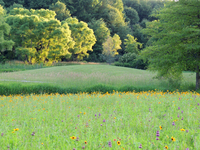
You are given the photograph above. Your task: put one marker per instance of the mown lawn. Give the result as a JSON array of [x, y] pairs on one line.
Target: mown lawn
[[146, 120]]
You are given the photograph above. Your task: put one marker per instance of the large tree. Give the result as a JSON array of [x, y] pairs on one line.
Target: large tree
[[83, 36], [174, 43], [38, 36]]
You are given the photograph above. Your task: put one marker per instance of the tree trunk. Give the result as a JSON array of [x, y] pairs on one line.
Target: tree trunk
[[197, 78]]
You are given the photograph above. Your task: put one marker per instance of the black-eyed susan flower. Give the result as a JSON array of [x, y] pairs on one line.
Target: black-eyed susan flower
[[16, 129], [173, 139], [42, 143], [160, 127], [118, 143], [85, 142], [166, 147], [182, 129], [73, 137]]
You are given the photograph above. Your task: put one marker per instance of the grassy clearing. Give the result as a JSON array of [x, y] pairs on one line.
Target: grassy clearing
[[84, 76], [124, 120]]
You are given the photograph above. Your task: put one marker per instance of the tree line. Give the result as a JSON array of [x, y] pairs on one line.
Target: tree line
[[51, 30]]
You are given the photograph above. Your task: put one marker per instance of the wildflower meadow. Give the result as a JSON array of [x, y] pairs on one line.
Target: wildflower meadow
[[146, 120]]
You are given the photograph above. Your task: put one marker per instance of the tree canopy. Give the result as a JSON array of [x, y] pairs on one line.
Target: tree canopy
[[104, 17], [173, 44], [38, 36], [83, 36]]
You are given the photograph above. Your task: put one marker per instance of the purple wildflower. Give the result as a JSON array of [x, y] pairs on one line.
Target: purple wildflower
[[149, 109], [77, 138], [157, 133], [187, 131], [140, 146], [99, 114], [181, 111], [109, 144], [179, 98], [187, 148], [95, 115], [104, 120], [198, 104], [179, 108], [173, 123], [1, 134], [83, 147], [78, 116], [157, 138], [33, 134], [182, 118], [74, 149], [62, 120], [178, 116], [101, 124]]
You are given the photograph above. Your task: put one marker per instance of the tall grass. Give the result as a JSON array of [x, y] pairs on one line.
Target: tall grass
[[145, 120]]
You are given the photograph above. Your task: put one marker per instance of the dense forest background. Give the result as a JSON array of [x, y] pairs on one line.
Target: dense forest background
[[72, 30]]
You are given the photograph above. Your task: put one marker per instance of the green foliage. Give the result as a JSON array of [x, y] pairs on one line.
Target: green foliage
[[101, 33], [131, 60], [110, 47], [5, 45], [113, 17], [132, 46], [2, 3], [41, 88], [39, 36], [132, 15], [83, 36], [61, 11], [173, 44], [100, 29], [15, 5], [144, 8]]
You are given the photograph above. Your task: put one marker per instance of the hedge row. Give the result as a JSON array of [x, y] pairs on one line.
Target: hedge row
[[18, 88]]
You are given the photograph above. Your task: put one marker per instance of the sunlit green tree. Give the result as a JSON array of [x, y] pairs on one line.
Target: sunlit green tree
[[83, 36], [39, 37], [110, 47]]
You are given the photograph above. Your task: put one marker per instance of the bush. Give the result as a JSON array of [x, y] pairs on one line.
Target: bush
[[38, 88], [131, 60]]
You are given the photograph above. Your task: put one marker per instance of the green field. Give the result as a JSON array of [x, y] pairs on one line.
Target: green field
[[154, 120], [83, 76], [108, 120]]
